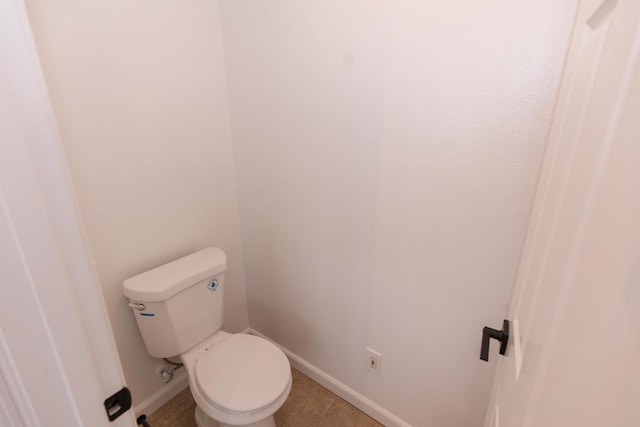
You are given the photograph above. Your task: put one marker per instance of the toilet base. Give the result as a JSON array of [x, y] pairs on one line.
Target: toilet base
[[203, 420]]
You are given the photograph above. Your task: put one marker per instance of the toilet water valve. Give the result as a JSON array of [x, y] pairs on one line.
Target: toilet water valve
[[167, 374]]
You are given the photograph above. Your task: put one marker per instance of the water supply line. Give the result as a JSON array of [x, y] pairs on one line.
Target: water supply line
[[167, 374]]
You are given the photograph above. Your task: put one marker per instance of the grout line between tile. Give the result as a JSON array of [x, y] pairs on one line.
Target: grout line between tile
[[334, 400]]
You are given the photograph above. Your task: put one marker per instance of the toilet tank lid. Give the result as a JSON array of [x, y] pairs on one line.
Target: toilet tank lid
[[169, 279]]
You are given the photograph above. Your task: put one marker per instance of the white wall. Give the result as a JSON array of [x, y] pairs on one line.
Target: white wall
[[139, 93], [387, 155]]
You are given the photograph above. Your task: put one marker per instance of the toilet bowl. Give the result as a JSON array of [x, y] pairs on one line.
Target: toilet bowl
[[235, 379]]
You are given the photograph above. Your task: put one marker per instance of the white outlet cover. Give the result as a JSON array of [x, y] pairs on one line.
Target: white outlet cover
[[378, 366]]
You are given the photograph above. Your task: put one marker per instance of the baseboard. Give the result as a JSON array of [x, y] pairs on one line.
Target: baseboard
[[162, 396], [370, 408]]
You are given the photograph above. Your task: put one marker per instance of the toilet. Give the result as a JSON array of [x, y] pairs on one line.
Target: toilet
[[235, 379]]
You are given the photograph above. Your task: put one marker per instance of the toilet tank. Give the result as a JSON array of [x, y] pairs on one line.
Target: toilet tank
[[179, 304]]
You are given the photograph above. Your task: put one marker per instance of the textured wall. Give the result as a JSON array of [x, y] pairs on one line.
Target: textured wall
[[140, 96], [387, 156]]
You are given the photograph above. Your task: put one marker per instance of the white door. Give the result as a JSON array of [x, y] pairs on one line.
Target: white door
[[58, 361], [574, 353]]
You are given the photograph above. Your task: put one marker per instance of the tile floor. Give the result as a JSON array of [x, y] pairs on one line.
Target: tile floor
[[308, 405]]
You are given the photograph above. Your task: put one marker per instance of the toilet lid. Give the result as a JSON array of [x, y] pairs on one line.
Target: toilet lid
[[243, 373]]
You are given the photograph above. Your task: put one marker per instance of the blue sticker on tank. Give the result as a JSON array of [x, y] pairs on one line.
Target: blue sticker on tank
[[147, 314]]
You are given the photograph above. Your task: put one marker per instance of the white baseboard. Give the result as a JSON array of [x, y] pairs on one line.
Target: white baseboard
[[162, 396], [370, 408], [165, 394]]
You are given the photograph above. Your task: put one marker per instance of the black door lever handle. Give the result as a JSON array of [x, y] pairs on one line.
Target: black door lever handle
[[502, 336]]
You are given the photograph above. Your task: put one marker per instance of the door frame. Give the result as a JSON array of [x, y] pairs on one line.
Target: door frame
[[54, 319]]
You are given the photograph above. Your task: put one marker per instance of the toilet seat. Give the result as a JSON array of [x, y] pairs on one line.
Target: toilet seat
[[242, 374]]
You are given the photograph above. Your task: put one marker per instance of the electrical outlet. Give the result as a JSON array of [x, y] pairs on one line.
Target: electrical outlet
[[374, 361]]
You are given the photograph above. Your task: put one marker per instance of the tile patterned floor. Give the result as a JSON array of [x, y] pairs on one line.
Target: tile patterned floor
[[308, 405]]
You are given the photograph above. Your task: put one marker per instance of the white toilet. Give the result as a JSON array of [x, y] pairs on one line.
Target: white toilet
[[235, 379]]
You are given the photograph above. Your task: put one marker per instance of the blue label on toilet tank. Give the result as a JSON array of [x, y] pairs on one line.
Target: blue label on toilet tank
[[147, 314]]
